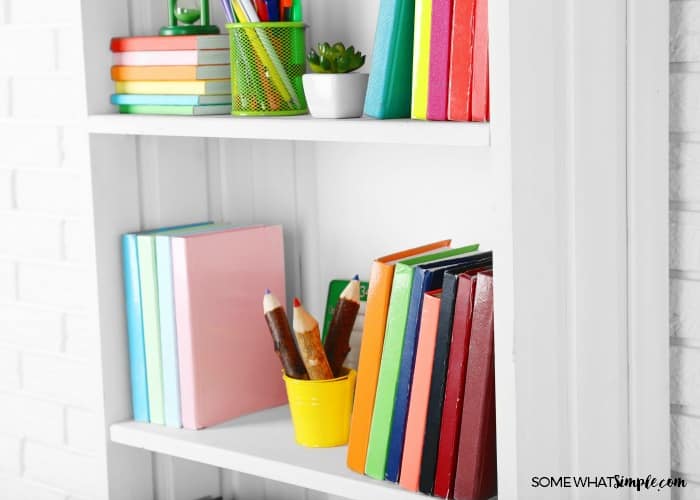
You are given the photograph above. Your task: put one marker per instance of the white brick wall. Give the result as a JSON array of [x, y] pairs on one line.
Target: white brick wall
[[50, 424], [685, 243]]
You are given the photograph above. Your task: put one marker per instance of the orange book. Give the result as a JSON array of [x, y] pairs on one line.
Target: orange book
[[381, 278], [420, 392], [170, 73]]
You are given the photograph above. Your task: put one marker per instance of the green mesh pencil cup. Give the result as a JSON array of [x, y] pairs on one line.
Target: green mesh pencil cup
[[267, 63]]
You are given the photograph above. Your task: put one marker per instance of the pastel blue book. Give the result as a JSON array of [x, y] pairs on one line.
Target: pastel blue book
[[134, 325], [426, 278], [168, 329], [168, 100], [389, 86]]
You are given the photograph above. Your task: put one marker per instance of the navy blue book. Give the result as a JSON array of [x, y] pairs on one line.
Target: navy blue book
[[426, 278]]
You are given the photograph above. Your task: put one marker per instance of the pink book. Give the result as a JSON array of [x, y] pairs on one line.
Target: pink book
[[439, 73], [171, 58], [228, 366], [420, 391]]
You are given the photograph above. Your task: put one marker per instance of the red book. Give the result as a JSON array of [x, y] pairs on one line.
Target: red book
[[183, 42], [454, 388], [475, 477], [480, 75], [461, 53]]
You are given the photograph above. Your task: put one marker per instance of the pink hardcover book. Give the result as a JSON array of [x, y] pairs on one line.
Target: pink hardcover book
[[171, 58], [228, 366], [420, 391], [439, 72]]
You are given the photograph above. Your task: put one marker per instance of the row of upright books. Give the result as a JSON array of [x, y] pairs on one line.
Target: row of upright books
[[175, 75], [198, 346], [430, 61], [424, 410]]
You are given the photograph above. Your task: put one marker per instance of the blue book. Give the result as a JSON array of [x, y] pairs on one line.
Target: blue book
[[134, 325], [168, 329], [426, 278], [389, 86], [168, 100]]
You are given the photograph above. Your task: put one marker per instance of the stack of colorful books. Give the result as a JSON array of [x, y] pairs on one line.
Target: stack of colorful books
[[424, 411], [172, 75], [430, 61], [199, 349]]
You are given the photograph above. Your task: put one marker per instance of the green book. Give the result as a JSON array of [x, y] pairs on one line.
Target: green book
[[397, 316], [335, 288], [172, 109], [148, 276]]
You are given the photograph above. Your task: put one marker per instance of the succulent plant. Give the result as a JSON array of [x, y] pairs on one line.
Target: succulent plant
[[335, 58]]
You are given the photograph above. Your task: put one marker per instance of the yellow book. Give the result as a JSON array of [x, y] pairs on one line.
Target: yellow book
[[202, 87], [421, 59]]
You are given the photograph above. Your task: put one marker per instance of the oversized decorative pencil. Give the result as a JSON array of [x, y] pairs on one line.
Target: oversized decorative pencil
[[337, 344], [309, 342], [282, 337]]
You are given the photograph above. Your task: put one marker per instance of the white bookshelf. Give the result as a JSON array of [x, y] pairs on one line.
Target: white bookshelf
[[564, 185], [237, 445], [297, 128]]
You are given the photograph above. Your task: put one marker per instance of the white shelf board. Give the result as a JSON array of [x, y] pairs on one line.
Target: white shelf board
[[261, 444], [296, 128]]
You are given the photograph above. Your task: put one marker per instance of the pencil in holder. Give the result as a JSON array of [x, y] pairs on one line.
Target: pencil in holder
[[321, 409], [267, 63]]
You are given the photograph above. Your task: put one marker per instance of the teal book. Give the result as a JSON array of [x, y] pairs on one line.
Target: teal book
[[154, 109], [389, 86], [148, 277], [397, 317]]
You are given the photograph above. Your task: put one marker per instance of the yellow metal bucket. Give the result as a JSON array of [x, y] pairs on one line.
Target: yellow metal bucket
[[321, 409]]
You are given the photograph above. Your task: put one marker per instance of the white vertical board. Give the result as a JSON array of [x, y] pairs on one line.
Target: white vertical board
[[647, 153], [116, 210]]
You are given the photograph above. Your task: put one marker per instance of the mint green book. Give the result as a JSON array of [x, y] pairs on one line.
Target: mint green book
[[397, 316], [172, 109], [148, 276]]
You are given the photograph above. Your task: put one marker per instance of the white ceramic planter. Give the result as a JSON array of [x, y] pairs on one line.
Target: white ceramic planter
[[335, 95]]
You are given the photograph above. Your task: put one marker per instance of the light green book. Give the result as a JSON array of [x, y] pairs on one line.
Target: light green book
[[397, 316], [148, 276]]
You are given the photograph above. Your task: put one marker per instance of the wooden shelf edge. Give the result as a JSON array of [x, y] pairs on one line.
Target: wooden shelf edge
[[297, 128], [260, 444]]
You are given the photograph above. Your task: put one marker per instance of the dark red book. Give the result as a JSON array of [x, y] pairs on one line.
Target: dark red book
[[454, 387], [475, 477]]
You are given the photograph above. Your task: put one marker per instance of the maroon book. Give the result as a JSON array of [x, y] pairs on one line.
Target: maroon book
[[475, 477], [454, 387]]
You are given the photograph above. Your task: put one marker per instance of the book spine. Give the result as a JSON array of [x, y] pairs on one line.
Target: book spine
[[183, 326], [421, 59], [441, 21], [418, 406], [151, 327], [403, 390], [389, 86], [476, 475], [168, 334], [134, 323], [389, 371], [437, 384], [454, 389], [381, 277], [461, 61], [480, 79]]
